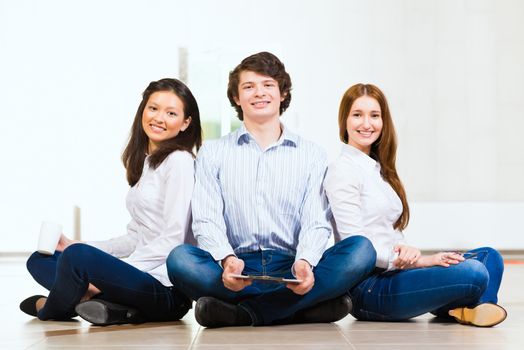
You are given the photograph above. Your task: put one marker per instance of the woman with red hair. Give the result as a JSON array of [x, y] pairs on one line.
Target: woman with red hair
[[367, 198]]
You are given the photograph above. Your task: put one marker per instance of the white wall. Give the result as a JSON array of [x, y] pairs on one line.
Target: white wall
[[71, 75], [465, 225]]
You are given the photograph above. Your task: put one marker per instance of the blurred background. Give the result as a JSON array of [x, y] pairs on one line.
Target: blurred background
[[71, 75]]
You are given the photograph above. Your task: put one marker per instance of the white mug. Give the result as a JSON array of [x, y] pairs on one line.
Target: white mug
[[50, 233]]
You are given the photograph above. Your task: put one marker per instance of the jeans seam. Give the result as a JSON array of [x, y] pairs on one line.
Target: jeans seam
[[431, 289], [485, 254]]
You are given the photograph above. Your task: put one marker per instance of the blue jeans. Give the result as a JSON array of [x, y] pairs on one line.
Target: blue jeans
[[340, 268], [67, 276], [403, 294]]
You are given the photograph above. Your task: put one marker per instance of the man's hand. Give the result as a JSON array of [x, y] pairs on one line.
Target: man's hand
[[304, 273], [233, 266], [65, 242], [407, 256]]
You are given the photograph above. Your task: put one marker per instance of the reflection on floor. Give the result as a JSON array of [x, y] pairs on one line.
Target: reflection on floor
[[20, 331]]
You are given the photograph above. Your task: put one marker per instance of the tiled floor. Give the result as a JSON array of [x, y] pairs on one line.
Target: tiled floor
[[19, 331]]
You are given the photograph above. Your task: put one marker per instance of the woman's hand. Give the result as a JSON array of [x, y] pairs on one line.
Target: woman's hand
[[65, 242], [444, 259], [407, 256]]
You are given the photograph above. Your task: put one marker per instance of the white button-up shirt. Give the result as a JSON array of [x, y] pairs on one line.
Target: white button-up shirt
[[363, 203], [160, 208], [247, 199]]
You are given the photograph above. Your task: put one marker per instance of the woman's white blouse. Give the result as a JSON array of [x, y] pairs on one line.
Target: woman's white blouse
[[160, 208], [363, 203]]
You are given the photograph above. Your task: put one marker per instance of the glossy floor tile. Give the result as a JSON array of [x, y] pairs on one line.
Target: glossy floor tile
[[19, 331]]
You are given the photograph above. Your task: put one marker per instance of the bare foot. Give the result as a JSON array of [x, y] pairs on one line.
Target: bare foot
[[91, 292], [40, 304]]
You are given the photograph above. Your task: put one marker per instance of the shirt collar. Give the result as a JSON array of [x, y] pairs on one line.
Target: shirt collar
[[287, 137], [360, 157]]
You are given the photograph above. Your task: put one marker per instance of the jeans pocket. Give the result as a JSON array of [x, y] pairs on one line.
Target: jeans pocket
[[371, 281]]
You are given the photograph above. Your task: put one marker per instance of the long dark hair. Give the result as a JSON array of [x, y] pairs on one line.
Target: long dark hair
[[384, 149], [134, 154]]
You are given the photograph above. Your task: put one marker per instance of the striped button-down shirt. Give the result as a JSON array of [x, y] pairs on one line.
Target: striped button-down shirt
[[247, 199]]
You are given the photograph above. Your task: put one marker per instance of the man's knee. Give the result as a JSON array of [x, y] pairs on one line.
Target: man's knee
[[183, 261], [361, 252], [193, 271], [178, 259]]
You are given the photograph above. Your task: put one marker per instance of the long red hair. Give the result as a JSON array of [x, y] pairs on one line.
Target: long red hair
[[384, 149]]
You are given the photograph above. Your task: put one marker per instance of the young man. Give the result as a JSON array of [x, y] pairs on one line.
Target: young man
[[259, 209]]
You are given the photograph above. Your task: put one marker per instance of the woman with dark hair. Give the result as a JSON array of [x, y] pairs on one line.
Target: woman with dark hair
[[124, 279], [367, 198]]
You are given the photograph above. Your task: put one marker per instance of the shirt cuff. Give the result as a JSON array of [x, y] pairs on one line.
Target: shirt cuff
[[293, 267], [311, 257], [220, 261], [393, 256], [220, 253]]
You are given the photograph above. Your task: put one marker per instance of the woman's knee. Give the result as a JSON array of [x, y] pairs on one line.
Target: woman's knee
[[475, 273], [76, 254], [488, 253], [34, 261], [488, 250]]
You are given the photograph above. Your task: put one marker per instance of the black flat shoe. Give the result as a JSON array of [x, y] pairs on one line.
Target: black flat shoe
[[331, 310], [29, 305], [103, 313], [211, 313]]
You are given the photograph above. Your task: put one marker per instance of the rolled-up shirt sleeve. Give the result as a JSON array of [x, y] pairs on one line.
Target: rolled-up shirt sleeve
[[209, 226], [315, 227], [121, 246], [399, 240]]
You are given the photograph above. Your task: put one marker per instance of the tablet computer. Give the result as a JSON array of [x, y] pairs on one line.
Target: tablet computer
[[267, 278]]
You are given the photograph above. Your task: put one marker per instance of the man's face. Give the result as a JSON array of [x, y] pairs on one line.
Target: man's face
[[258, 96]]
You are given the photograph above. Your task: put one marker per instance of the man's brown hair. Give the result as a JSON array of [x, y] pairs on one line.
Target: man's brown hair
[[263, 63]]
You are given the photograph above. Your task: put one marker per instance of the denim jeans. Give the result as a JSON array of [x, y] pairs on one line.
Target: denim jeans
[[341, 267], [403, 294], [67, 276]]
